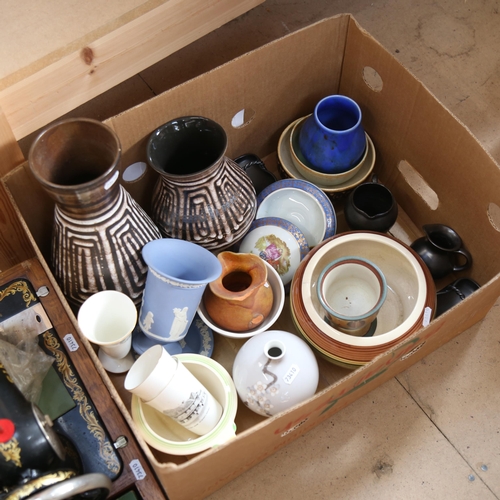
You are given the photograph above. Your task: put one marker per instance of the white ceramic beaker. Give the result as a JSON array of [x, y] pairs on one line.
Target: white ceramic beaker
[[183, 398]]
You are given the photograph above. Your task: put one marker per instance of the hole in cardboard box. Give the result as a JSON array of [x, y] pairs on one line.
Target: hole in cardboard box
[[494, 216], [372, 79], [134, 171], [242, 118], [418, 184]]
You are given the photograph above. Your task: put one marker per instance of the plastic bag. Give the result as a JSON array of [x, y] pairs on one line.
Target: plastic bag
[[24, 360]]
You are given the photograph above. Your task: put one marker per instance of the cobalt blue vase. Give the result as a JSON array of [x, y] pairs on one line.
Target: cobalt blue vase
[[332, 139]]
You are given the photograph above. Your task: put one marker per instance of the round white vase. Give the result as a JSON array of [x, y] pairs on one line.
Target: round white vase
[[274, 371]]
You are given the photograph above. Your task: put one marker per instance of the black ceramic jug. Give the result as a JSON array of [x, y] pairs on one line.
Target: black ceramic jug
[[371, 207], [442, 251], [454, 293]]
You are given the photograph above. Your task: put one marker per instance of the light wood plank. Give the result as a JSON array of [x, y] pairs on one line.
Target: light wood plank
[[80, 76], [32, 38], [10, 152]]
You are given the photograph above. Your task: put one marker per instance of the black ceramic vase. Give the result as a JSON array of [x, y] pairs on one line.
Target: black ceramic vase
[[99, 230], [201, 195]]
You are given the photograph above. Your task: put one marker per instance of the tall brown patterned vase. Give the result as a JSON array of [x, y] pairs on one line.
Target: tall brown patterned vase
[[99, 230]]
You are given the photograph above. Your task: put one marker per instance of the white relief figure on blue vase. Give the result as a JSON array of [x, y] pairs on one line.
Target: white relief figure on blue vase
[[148, 322], [178, 273], [180, 323]]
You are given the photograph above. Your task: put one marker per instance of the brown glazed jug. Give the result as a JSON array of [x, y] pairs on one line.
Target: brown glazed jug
[[241, 298]]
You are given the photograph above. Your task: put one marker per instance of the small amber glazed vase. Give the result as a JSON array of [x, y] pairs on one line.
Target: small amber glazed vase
[[241, 298]]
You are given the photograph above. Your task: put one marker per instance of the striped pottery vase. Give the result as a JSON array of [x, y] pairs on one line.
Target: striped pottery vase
[[201, 195], [99, 230]]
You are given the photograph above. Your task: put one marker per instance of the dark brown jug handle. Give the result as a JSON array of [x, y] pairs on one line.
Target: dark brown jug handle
[[468, 260]]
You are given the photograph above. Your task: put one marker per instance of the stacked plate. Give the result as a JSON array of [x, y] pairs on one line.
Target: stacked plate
[[294, 165], [410, 302]]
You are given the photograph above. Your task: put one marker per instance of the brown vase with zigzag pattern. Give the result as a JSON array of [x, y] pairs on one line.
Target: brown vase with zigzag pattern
[[201, 195], [99, 229]]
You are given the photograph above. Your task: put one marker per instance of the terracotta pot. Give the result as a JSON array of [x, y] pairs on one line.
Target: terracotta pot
[[241, 298]]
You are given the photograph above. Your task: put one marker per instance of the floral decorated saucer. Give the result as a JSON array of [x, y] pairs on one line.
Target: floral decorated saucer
[[279, 242]]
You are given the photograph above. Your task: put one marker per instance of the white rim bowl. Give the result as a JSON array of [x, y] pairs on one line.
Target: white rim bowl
[[300, 208], [406, 297]]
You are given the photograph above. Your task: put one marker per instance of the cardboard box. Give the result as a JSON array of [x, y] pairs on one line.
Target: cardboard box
[[436, 169]]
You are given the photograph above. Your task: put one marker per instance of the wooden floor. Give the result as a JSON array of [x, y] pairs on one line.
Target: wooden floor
[[434, 431]]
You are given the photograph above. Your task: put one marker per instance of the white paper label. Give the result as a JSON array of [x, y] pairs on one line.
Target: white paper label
[[71, 342], [290, 375], [111, 181], [137, 469], [427, 316]]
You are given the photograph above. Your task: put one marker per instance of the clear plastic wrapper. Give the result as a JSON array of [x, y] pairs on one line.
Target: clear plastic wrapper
[[24, 360]]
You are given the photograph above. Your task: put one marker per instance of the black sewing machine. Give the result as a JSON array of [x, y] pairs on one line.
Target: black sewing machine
[[61, 447]]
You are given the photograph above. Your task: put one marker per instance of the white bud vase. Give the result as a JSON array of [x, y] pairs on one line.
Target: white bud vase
[[274, 371]]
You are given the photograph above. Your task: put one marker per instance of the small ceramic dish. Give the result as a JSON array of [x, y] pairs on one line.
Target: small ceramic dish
[[277, 241], [301, 203], [199, 340], [278, 303], [310, 173], [286, 162], [164, 434]]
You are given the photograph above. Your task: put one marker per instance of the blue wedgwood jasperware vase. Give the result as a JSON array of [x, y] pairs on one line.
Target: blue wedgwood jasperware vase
[[178, 273]]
